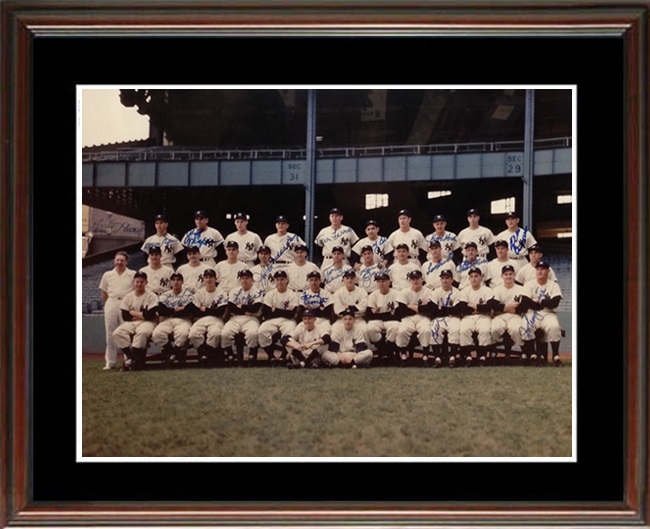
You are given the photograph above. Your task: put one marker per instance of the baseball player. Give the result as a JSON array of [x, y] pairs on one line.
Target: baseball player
[[479, 235], [138, 309], [541, 298], [159, 276], [175, 311], [436, 263], [263, 271], [350, 298], [168, 244], [298, 270], [282, 244], [114, 285], [383, 322], [279, 312], [519, 239], [475, 305], [401, 268], [493, 272], [527, 272], [248, 241], [412, 238], [447, 239], [228, 270], [336, 235], [193, 270], [333, 270], [415, 310], [506, 321], [367, 269], [471, 261], [210, 304], [205, 238], [306, 343], [378, 243], [446, 323], [318, 301], [348, 347], [244, 306]]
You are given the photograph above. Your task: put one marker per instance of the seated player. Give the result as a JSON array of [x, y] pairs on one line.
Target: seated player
[[318, 301], [383, 322], [446, 323], [348, 347], [350, 298], [306, 343], [506, 320], [415, 310]]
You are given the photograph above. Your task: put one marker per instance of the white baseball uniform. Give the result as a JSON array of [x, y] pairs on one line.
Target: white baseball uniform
[[193, 275], [413, 239], [328, 238], [207, 241], [344, 299], [227, 274], [464, 268], [445, 323], [263, 277], [301, 335], [482, 236], [136, 333], [283, 306], [527, 273], [158, 280], [448, 242], [414, 323], [399, 273], [380, 247], [494, 270], [168, 244], [319, 303], [352, 343], [506, 321], [366, 277], [245, 319], [281, 247], [178, 324], [248, 243], [518, 243], [545, 319], [211, 307], [382, 318], [333, 277], [298, 275], [480, 323], [431, 272], [116, 286]]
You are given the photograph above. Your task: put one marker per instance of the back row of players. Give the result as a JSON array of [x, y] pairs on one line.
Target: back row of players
[[385, 302]]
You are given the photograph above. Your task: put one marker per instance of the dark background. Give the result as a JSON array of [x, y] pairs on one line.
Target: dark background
[[595, 65]]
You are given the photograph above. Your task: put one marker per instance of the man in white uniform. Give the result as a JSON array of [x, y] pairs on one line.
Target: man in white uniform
[[336, 235], [298, 270], [350, 298], [263, 271], [519, 239], [401, 268], [306, 343], [506, 320], [415, 309], [168, 244], [114, 285], [446, 322], [193, 270], [318, 301], [348, 347], [447, 239], [436, 263], [333, 271], [228, 270], [282, 244], [412, 238], [472, 260], [159, 276], [367, 269], [528, 272], [378, 243], [205, 238], [248, 241], [479, 235], [383, 322], [493, 277]]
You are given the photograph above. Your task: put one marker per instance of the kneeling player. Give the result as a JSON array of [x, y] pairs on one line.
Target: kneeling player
[[348, 347], [306, 343]]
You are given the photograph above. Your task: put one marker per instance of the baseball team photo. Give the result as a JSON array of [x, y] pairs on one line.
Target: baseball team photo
[[326, 273]]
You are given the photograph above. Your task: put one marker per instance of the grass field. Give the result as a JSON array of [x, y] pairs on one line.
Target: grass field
[[413, 412]]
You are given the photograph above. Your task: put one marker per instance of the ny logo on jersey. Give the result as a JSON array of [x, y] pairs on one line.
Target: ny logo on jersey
[[167, 248], [481, 301], [517, 299], [285, 304], [449, 247], [164, 282], [414, 244], [344, 241], [249, 246], [200, 278], [213, 304], [482, 240], [391, 306]]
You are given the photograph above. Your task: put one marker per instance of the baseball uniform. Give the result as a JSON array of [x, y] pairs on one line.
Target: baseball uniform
[[193, 275], [465, 266], [355, 300], [333, 277], [244, 307], [158, 280], [413, 239], [249, 243], [518, 243], [298, 275], [282, 249], [351, 343], [263, 277], [207, 241], [503, 322], [209, 311], [476, 320], [414, 322], [380, 247], [366, 277], [494, 269], [399, 273], [173, 322], [482, 236], [300, 335], [381, 314], [320, 303], [527, 273], [116, 287], [168, 244], [227, 274], [447, 322], [431, 272], [136, 333], [328, 238], [448, 242], [540, 315], [279, 311]]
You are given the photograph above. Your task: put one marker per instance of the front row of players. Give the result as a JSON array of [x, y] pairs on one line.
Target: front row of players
[[446, 324]]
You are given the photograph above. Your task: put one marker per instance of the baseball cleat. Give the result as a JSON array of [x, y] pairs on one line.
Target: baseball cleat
[[108, 368], [557, 362]]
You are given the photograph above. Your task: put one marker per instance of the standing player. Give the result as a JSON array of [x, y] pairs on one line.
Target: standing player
[[298, 270], [519, 239], [348, 347], [318, 301], [415, 310], [205, 238], [479, 235], [475, 305], [528, 272], [402, 267], [175, 310], [378, 243], [193, 270], [138, 309], [168, 244], [263, 271], [447, 239], [159, 276], [306, 343], [507, 319], [282, 244], [350, 298], [333, 272], [412, 238], [471, 261], [248, 241], [367, 269], [446, 323], [493, 272], [336, 235], [435, 264], [383, 322], [114, 285], [228, 270]]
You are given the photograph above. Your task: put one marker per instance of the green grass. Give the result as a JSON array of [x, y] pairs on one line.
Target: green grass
[[490, 412]]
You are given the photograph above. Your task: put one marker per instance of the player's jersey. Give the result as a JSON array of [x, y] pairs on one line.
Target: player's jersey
[[431, 272], [347, 340], [315, 300], [518, 242], [344, 298], [287, 300], [482, 236], [210, 300], [301, 335], [399, 273], [282, 248], [344, 237], [249, 243], [239, 296], [193, 275], [146, 301], [227, 274], [538, 292], [494, 270], [158, 281], [380, 247], [445, 298], [479, 296], [464, 268], [527, 273], [508, 295], [333, 277], [366, 277], [207, 240], [168, 244], [115, 285], [408, 296], [383, 303], [298, 275], [171, 300], [448, 242], [263, 276], [412, 238]]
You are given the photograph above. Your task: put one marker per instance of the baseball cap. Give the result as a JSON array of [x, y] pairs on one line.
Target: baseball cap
[[336, 211], [367, 248], [245, 272], [404, 212], [313, 273], [382, 275], [446, 273], [155, 249], [200, 213], [473, 211], [240, 216], [192, 249], [210, 272], [471, 245], [512, 215], [160, 216], [439, 218], [414, 274], [282, 218], [372, 223], [263, 249], [140, 275], [308, 314], [475, 270], [402, 247], [501, 242], [434, 243], [507, 268], [542, 264], [232, 244], [349, 273], [337, 249], [176, 275], [280, 273], [535, 248], [347, 312], [302, 247]]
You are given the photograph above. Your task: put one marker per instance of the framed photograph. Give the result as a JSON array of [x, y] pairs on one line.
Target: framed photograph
[[597, 52]]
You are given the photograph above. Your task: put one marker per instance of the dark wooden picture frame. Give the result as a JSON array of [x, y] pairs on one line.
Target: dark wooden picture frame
[[24, 21]]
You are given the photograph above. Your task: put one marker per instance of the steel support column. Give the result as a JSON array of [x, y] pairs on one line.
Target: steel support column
[[310, 176], [529, 159]]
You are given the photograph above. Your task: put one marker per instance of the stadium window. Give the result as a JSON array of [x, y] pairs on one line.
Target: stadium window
[[437, 194], [502, 206], [565, 235], [374, 201], [565, 199]]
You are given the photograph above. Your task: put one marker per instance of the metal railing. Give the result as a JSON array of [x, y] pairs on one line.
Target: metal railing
[[173, 153]]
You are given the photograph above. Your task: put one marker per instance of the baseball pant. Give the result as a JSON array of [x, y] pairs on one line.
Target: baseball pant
[[412, 325], [510, 323], [448, 326], [206, 330], [546, 321], [375, 329], [324, 326], [476, 323], [134, 334], [270, 327], [321, 350], [112, 320], [248, 325], [359, 323], [179, 328], [333, 359]]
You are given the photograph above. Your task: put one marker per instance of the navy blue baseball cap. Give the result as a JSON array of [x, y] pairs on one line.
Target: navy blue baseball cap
[[382, 275], [280, 273], [176, 275], [512, 215], [475, 270], [336, 211], [402, 247], [501, 242], [446, 273], [337, 249], [507, 268], [372, 223], [155, 249], [264, 249], [245, 272], [367, 248], [542, 264], [313, 273], [140, 275], [281, 218], [301, 247], [350, 273], [471, 245], [232, 244], [160, 216], [240, 216], [192, 249], [439, 218], [200, 214], [535, 248], [414, 274], [308, 314], [473, 211], [210, 272], [434, 244], [404, 212]]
